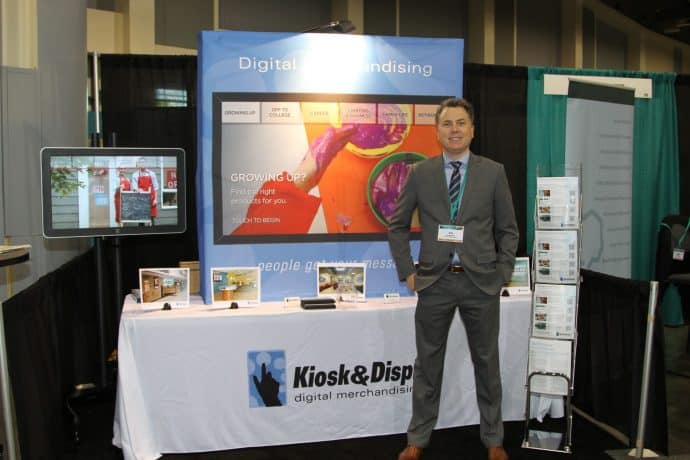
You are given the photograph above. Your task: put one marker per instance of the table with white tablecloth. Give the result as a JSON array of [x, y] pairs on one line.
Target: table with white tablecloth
[[188, 378]]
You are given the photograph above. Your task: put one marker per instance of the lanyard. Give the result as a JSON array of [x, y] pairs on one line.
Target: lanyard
[[682, 237], [455, 205]]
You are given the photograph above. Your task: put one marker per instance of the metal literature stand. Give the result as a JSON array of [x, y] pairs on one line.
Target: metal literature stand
[[553, 330]]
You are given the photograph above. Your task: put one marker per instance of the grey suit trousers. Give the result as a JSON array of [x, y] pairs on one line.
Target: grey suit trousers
[[480, 314]]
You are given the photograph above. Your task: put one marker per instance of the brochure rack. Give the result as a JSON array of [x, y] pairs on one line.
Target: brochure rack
[[553, 330]]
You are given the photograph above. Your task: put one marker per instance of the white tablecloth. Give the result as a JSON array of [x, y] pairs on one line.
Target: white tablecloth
[[184, 380]]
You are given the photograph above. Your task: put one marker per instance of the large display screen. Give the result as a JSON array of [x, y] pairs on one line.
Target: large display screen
[[314, 167], [112, 191]]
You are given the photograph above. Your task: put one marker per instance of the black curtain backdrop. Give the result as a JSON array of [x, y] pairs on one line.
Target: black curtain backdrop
[[51, 331], [499, 96], [612, 323], [135, 114]]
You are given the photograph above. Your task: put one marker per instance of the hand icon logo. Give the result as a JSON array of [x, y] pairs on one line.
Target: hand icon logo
[[268, 388]]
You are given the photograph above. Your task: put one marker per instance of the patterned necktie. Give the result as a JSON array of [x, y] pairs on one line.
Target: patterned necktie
[[454, 188]]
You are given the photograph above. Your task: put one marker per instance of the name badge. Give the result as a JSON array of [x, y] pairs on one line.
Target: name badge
[[678, 254], [451, 233]]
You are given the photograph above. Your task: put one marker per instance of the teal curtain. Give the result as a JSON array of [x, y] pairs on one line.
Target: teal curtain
[[655, 155]]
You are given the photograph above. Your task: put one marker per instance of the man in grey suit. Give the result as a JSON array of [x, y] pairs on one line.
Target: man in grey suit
[[469, 237]]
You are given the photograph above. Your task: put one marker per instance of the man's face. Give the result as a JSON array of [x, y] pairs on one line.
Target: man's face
[[454, 130], [141, 164]]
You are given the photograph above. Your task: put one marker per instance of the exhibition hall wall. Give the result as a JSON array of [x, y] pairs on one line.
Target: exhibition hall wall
[[33, 102]]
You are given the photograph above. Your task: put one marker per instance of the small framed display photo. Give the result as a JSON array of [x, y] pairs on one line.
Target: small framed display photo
[[238, 285], [342, 281], [520, 279], [164, 287]]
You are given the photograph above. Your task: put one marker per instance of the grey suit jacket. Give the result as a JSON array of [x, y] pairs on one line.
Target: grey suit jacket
[[486, 211]]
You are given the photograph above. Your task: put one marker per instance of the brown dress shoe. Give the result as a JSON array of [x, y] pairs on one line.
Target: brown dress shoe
[[411, 453], [497, 453]]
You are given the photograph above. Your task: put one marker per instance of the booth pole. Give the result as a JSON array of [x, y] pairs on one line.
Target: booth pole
[[642, 417], [98, 241], [639, 451]]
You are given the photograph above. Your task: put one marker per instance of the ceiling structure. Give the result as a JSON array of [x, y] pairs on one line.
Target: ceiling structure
[[667, 17]]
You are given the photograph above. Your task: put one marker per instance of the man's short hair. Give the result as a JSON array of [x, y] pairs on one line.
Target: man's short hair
[[455, 102]]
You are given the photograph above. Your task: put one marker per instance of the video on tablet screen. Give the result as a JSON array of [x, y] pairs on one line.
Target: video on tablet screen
[[107, 191]]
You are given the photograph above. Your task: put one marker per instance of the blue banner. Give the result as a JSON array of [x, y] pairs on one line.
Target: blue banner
[[299, 136]]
